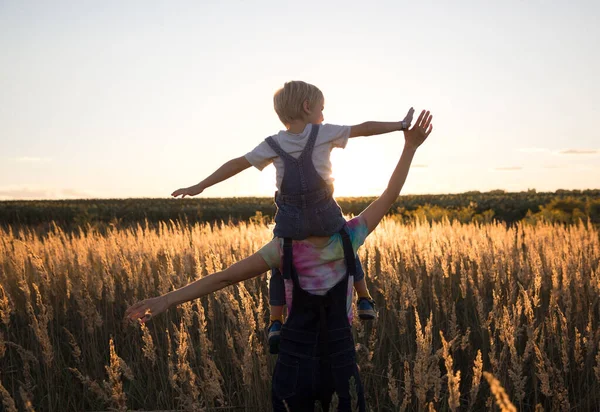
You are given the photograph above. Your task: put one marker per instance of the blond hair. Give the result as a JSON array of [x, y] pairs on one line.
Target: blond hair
[[289, 99]]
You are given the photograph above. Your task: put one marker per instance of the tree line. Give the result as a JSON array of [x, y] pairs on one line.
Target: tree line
[[564, 206]]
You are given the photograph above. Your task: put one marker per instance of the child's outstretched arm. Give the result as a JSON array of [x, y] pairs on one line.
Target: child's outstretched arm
[[229, 169], [244, 269], [413, 139], [373, 128]]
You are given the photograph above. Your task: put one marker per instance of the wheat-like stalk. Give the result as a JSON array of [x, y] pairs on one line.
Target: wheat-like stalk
[[392, 386], [7, 401], [502, 399], [453, 378], [114, 386], [407, 387], [520, 299], [477, 370]]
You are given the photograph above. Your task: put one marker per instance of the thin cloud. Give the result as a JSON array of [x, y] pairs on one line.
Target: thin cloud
[[74, 193], [579, 151], [553, 167], [23, 193], [507, 169], [31, 159], [26, 193], [534, 150]]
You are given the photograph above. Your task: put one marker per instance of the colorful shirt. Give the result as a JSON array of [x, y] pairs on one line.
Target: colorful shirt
[[319, 268], [330, 136]]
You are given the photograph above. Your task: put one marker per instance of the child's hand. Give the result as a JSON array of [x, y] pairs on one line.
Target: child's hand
[[408, 119], [417, 135], [188, 191], [146, 309]]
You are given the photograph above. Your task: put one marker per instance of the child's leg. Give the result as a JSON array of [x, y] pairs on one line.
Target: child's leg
[[277, 313], [276, 295], [366, 305], [360, 285], [361, 289]]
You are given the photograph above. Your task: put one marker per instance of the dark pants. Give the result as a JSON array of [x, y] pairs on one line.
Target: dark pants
[[316, 352], [302, 381]]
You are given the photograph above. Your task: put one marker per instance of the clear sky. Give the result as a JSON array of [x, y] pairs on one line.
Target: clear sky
[[139, 98]]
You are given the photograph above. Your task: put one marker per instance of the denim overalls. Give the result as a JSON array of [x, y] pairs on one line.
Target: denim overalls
[[316, 353], [305, 206]]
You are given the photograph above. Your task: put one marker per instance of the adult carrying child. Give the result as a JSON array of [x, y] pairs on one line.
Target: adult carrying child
[[317, 356]]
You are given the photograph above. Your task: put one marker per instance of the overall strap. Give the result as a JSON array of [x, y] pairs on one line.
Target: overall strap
[[348, 252], [350, 271], [288, 258], [310, 144], [278, 150]]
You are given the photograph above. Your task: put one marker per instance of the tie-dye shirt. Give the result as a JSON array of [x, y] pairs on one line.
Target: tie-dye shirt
[[319, 268]]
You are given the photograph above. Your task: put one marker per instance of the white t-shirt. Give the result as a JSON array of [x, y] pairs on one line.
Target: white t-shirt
[[330, 136]]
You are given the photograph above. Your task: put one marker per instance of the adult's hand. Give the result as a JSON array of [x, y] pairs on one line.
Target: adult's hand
[[146, 309], [416, 135]]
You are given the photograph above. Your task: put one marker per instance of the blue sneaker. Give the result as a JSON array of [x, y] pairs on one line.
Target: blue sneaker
[[366, 309], [274, 331]]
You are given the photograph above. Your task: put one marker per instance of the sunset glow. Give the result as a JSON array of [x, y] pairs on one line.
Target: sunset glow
[[127, 100]]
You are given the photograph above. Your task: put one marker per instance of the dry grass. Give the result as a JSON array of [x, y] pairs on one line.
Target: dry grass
[[456, 302]]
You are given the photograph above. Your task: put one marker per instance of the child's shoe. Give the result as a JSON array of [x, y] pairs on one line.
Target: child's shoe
[[274, 331], [366, 309]]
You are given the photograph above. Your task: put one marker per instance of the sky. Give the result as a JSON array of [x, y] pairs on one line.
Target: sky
[[120, 99]]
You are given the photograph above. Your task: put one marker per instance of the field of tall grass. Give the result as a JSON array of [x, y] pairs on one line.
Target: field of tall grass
[[471, 317]]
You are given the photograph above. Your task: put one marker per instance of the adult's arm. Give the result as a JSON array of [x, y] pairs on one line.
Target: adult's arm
[[413, 137], [243, 270]]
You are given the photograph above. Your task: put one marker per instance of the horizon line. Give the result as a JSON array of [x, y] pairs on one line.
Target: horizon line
[[468, 192]]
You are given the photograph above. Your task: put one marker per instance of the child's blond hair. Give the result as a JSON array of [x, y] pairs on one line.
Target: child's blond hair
[[289, 99]]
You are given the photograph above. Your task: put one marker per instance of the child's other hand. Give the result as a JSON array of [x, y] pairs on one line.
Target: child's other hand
[[188, 191], [146, 309], [409, 116], [416, 136]]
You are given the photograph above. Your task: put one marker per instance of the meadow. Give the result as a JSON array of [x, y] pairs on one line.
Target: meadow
[[472, 316]]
